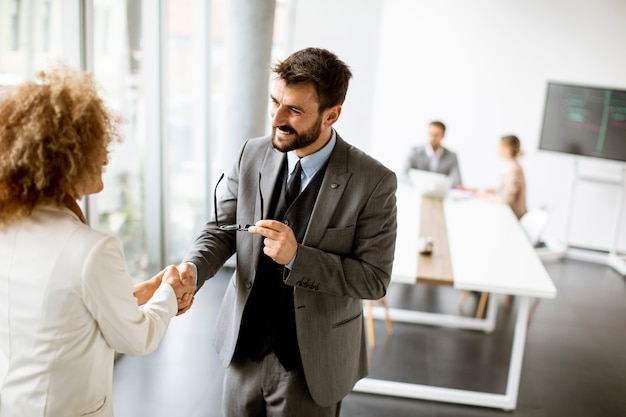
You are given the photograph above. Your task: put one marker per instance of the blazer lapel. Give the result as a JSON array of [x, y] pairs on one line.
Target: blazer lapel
[[270, 169], [333, 186]]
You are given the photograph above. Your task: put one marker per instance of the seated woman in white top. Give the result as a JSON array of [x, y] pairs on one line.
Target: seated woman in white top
[[66, 299]]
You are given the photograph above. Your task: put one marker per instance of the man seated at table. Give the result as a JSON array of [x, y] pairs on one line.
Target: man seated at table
[[434, 157]]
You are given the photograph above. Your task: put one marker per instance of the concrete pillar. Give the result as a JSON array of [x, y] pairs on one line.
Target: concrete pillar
[[248, 57]]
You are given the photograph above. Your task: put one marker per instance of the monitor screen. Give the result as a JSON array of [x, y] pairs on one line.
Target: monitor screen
[[588, 121]]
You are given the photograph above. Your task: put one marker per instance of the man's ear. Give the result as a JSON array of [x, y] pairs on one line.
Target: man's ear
[[331, 115]]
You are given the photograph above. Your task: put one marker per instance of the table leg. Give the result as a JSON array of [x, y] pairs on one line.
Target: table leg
[[480, 311], [507, 401], [371, 338], [387, 318], [487, 325]]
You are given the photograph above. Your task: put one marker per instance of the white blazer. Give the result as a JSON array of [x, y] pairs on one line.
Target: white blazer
[[66, 304]]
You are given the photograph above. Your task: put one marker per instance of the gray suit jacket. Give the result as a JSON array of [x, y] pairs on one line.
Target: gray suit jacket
[[346, 256], [448, 163]]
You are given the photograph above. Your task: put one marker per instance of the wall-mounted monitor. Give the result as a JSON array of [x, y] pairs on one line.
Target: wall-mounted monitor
[[584, 120]]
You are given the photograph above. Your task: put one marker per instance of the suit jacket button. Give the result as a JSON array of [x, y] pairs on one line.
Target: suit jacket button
[[248, 284]]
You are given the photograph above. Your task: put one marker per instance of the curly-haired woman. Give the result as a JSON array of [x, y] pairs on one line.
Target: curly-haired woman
[[66, 299]]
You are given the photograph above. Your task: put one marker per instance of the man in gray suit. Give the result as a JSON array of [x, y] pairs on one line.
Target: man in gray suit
[[434, 157], [290, 329]]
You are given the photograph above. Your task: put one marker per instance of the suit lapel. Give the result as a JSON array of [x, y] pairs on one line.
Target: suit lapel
[[270, 170], [333, 186]]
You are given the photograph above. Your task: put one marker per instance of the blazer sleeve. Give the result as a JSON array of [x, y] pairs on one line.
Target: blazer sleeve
[[108, 295], [416, 159], [455, 174], [449, 165]]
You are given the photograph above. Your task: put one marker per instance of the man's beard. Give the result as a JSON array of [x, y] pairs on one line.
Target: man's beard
[[300, 140]]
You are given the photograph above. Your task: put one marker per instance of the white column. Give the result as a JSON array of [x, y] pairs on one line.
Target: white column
[[248, 57]]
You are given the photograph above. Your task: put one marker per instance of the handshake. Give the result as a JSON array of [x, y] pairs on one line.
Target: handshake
[[182, 278]]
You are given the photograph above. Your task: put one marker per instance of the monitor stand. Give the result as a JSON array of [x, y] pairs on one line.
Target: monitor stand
[[614, 259]]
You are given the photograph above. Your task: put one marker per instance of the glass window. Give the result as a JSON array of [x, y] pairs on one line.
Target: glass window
[[160, 66], [150, 59], [186, 118], [32, 33], [14, 16], [119, 71]]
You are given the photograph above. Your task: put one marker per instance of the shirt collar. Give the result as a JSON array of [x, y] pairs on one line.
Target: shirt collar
[[312, 163], [430, 152]]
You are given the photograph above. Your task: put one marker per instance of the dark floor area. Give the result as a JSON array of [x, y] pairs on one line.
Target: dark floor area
[[574, 362]]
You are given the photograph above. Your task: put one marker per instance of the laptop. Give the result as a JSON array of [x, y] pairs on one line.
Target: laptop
[[429, 183]]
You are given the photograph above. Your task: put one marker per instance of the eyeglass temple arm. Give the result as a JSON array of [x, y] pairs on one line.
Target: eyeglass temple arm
[[260, 195], [217, 222]]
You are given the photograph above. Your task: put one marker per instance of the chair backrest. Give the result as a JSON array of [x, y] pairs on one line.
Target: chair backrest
[[534, 223]]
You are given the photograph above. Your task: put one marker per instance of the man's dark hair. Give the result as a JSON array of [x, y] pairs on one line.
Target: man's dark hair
[[328, 74], [440, 124]]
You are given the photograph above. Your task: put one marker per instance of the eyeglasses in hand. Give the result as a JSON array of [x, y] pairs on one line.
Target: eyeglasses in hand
[[233, 227]]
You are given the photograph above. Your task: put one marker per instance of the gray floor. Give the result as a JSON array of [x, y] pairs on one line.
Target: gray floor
[[574, 364]]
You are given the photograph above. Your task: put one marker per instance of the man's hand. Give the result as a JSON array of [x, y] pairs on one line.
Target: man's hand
[[172, 277], [280, 243], [188, 280], [184, 287]]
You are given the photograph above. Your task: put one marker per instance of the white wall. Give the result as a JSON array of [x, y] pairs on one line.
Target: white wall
[[350, 29], [482, 67]]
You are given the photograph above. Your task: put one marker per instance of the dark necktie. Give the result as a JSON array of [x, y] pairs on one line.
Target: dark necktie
[[293, 188]]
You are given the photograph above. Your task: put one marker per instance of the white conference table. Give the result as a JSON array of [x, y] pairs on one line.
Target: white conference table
[[488, 252]]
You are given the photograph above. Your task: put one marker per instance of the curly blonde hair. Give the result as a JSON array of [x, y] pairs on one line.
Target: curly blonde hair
[[54, 137]]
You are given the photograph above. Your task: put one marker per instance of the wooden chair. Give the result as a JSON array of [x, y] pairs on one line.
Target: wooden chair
[[482, 303], [371, 338]]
